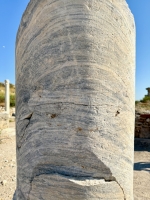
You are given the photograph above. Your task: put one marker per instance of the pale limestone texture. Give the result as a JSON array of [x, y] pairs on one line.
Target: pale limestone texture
[[75, 100]]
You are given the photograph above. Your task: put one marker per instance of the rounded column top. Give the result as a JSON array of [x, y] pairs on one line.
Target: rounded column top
[[6, 81]]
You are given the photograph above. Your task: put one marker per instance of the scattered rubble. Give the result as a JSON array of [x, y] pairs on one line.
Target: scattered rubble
[[142, 125]]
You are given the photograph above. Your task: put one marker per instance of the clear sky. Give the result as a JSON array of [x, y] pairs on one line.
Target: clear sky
[[10, 16], [141, 12]]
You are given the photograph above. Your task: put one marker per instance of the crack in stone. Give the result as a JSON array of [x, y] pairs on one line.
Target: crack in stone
[[106, 179], [72, 103], [80, 178], [29, 118], [112, 179], [120, 187], [26, 126]]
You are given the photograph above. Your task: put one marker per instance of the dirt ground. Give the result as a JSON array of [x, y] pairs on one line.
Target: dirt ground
[[7, 163], [8, 167], [142, 169]]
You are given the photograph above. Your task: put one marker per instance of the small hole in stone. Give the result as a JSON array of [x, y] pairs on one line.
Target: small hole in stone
[[53, 116], [117, 113]]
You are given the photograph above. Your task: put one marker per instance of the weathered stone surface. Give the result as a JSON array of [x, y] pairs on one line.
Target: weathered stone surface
[[4, 120], [75, 100]]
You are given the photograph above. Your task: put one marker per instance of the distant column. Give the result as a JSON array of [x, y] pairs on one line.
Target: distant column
[[148, 89], [7, 96]]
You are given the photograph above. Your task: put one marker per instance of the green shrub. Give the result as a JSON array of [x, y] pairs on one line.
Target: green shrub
[[145, 99], [136, 102], [11, 85], [12, 100], [2, 98], [2, 84]]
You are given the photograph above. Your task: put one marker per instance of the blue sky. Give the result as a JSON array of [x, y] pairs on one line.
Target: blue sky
[[141, 12], [10, 16]]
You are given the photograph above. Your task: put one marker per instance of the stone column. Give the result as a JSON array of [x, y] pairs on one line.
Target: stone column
[[7, 96], [148, 90], [75, 68]]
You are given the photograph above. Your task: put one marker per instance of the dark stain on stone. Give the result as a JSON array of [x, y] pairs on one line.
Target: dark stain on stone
[[79, 129], [53, 116], [117, 113]]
